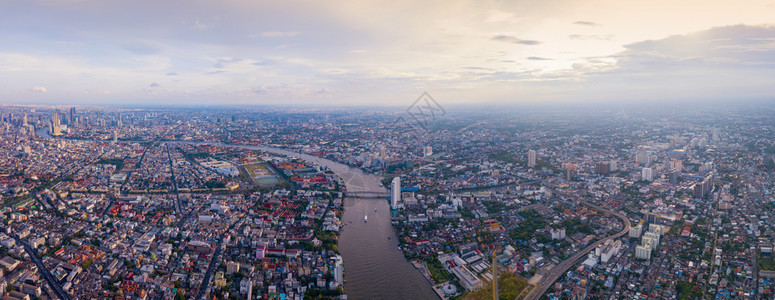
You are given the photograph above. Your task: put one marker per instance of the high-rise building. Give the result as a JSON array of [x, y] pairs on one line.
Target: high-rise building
[[658, 229], [606, 167], [569, 174], [652, 218], [602, 168], [339, 270], [531, 158], [395, 196], [558, 234], [702, 143], [674, 177], [232, 267], [676, 165], [55, 118], [72, 116], [56, 123], [636, 230], [701, 189], [427, 151], [642, 158], [654, 238], [643, 251], [706, 167], [647, 174]]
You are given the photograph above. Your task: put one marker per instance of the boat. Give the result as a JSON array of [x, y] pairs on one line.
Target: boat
[[375, 210], [365, 218]]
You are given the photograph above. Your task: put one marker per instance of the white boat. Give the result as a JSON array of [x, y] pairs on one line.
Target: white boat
[[365, 218]]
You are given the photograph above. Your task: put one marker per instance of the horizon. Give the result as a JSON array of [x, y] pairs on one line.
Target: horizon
[[354, 54]]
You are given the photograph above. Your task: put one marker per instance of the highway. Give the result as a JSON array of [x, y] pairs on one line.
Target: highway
[[558, 270]]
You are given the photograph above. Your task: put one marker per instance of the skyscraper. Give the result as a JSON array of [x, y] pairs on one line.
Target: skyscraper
[[531, 158], [602, 168], [427, 151], [395, 192], [642, 158], [647, 174], [55, 118], [72, 116], [56, 130], [676, 165]]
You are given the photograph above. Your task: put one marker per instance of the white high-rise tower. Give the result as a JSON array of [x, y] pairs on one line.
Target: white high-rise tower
[[395, 192], [647, 174], [427, 151], [531, 158]]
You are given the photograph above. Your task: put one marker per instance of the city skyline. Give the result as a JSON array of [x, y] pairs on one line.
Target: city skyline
[[369, 53]]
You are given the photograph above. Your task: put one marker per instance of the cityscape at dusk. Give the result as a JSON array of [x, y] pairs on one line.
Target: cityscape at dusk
[[457, 150]]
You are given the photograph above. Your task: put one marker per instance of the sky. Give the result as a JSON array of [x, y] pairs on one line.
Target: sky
[[384, 52]]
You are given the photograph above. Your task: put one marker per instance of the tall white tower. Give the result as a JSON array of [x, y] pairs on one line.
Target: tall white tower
[[396, 192], [427, 151], [647, 174], [531, 158]]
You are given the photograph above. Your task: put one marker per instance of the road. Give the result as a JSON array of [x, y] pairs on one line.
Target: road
[[178, 205], [558, 270], [43, 270], [211, 268]]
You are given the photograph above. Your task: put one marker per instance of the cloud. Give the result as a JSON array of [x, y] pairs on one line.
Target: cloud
[[38, 89], [515, 40], [383, 47], [739, 46], [198, 25], [605, 37], [154, 84], [495, 16], [223, 61], [586, 23], [265, 62], [730, 62], [141, 48], [274, 34]]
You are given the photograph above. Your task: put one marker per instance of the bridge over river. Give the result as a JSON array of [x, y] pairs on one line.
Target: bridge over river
[[375, 268]]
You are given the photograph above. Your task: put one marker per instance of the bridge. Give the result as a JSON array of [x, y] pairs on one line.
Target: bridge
[[366, 194]]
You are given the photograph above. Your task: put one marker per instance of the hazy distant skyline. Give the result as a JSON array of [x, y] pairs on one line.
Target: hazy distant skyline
[[383, 53]]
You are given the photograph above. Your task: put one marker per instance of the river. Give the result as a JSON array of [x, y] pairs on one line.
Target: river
[[43, 132], [374, 266]]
